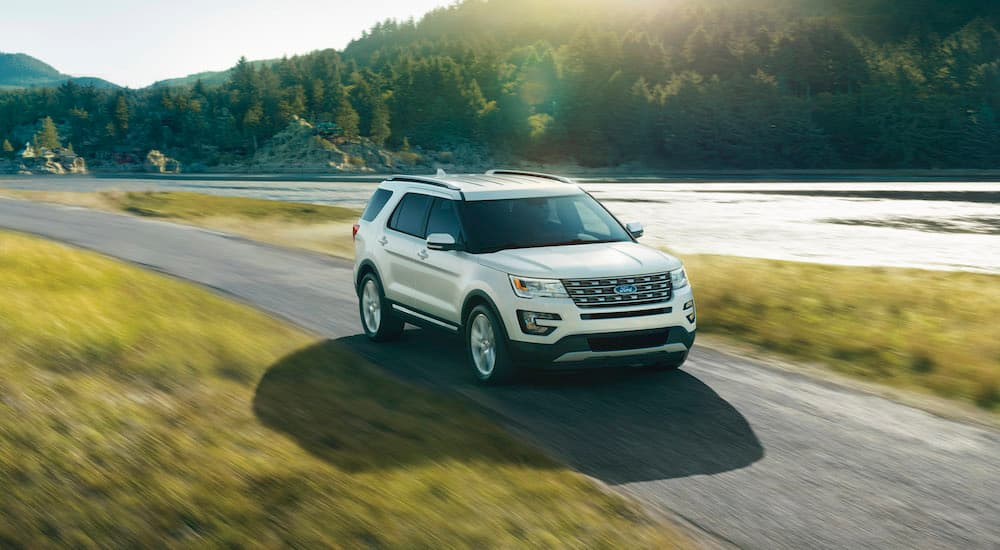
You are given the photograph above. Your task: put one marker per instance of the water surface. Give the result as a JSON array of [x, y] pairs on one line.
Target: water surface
[[934, 225]]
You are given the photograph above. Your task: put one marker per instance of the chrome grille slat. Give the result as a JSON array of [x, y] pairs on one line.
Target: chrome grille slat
[[651, 288]]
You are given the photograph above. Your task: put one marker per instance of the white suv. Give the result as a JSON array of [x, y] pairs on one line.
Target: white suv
[[530, 269]]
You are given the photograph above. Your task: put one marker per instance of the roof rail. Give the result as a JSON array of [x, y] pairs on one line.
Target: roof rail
[[425, 179], [524, 173]]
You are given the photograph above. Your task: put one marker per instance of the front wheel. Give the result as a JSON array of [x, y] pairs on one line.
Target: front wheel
[[486, 347], [376, 316]]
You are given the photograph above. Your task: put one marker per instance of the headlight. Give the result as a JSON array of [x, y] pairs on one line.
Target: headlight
[[538, 288], [678, 279]]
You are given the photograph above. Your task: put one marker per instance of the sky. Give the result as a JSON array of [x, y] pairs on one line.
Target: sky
[[135, 43]]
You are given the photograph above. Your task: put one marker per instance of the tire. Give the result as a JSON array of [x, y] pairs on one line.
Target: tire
[[486, 347], [377, 318], [666, 366]]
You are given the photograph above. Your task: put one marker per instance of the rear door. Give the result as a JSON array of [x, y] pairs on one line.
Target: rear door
[[403, 243], [369, 235]]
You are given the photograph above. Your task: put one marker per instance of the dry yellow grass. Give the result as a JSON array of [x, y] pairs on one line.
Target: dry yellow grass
[[930, 330], [139, 411], [324, 229], [326, 238]]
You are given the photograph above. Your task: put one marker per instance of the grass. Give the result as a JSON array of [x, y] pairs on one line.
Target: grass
[[319, 228], [933, 331], [139, 411]]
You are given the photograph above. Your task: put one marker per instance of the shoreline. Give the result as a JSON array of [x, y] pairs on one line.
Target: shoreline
[[325, 235], [584, 175]]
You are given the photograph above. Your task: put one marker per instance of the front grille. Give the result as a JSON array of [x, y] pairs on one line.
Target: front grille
[[629, 341], [650, 289]]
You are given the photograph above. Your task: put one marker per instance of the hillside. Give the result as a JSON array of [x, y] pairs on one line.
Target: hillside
[[18, 70], [721, 84], [207, 78]]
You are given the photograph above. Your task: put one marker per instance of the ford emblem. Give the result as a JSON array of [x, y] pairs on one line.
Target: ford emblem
[[625, 289]]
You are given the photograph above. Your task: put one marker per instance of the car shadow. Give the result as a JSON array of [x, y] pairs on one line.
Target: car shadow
[[334, 405], [618, 425]]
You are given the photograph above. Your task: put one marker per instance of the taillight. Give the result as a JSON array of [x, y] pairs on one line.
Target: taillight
[[354, 231]]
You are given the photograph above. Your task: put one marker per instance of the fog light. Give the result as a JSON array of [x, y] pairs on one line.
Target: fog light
[[688, 305], [690, 317], [529, 322]]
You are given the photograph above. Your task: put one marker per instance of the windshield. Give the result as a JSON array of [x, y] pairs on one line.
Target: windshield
[[542, 221]]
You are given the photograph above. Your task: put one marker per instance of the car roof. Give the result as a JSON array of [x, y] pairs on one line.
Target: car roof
[[494, 184]]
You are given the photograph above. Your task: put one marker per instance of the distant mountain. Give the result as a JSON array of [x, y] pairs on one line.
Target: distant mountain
[[208, 78], [18, 70]]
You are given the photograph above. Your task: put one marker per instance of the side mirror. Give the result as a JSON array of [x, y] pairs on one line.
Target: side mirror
[[635, 229], [441, 241]]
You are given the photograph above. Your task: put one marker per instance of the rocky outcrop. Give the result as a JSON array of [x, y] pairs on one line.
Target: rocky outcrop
[[47, 161], [303, 148], [158, 163]]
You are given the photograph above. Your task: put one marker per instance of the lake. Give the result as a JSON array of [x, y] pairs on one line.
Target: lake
[[933, 225]]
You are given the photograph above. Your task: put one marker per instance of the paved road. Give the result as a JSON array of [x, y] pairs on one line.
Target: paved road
[[755, 456]]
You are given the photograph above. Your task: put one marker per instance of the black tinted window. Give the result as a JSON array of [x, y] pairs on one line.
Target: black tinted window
[[376, 204], [444, 219], [543, 221], [411, 214]]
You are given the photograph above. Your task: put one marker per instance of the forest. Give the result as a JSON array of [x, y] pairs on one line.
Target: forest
[[714, 84]]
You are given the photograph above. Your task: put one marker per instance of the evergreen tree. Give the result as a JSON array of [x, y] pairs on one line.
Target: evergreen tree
[[315, 97], [121, 115], [8, 149], [48, 136], [380, 130], [346, 116]]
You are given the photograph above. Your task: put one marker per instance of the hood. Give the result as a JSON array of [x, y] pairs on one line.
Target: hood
[[582, 261]]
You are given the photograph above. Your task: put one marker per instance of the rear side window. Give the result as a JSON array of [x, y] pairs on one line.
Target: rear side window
[[444, 219], [376, 204], [410, 216]]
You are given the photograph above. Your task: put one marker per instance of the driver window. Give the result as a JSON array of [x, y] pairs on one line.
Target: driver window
[[444, 219], [591, 222]]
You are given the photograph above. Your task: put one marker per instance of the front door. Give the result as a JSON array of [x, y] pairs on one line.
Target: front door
[[441, 270]]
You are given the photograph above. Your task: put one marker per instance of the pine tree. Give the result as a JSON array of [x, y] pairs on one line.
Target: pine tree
[[347, 117], [316, 94], [380, 129], [48, 136], [121, 115], [8, 149]]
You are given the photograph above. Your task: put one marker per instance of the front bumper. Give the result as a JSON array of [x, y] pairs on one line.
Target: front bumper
[[616, 336], [576, 351]]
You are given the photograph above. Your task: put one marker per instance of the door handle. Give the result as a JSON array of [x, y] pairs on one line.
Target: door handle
[[383, 240], [422, 254]]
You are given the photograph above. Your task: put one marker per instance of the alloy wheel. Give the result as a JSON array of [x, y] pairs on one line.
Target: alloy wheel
[[371, 306], [482, 343]]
